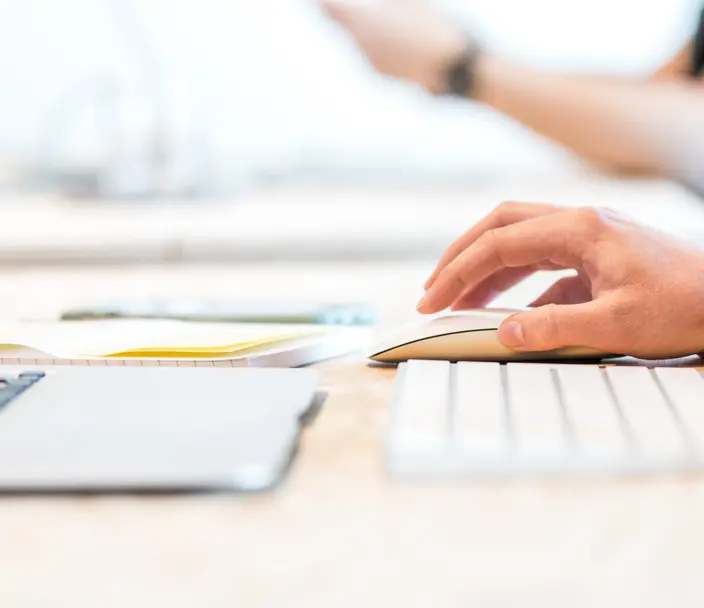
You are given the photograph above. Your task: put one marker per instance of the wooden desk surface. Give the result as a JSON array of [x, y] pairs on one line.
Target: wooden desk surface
[[339, 532]]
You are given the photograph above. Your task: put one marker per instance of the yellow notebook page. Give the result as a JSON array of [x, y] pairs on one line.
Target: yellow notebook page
[[148, 338]]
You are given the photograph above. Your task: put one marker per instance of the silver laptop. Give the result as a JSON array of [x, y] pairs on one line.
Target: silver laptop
[[149, 429]]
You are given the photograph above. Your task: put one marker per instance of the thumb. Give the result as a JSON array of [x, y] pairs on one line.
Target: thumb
[[551, 326]]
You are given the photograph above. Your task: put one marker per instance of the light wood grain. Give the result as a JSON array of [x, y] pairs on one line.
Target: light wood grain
[[338, 532]]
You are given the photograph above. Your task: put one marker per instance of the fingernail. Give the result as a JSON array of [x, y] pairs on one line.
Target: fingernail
[[423, 304], [511, 334]]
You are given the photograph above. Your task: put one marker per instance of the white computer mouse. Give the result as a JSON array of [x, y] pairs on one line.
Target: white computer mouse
[[470, 335]]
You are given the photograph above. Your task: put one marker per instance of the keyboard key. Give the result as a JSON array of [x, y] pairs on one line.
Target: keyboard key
[[685, 389], [594, 421], [421, 415], [537, 421], [479, 417], [12, 387], [32, 375], [646, 413]]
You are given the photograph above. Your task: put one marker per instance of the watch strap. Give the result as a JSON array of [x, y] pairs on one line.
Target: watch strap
[[459, 78]]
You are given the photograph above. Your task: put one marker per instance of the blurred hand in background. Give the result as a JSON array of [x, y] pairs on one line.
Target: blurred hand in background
[[651, 126], [405, 39]]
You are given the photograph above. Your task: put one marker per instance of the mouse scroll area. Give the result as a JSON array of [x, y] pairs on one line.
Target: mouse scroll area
[[466, 336]]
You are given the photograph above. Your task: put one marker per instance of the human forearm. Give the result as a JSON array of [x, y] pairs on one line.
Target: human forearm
[[618, 123]]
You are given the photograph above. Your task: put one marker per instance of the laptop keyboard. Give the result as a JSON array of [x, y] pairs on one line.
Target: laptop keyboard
[[12, 386], [470, 418]]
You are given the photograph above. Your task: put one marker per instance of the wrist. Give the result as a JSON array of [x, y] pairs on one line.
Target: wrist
[[457, 76], [475, 74], [489, 74]]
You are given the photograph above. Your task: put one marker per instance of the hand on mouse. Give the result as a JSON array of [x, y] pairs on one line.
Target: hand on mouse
[[636, 292], [402, 38]]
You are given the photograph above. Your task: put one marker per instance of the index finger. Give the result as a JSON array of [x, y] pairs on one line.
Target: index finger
[[558, 238], [505, 214]]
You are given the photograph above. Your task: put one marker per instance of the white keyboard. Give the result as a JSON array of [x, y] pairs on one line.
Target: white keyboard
[[466, 419]]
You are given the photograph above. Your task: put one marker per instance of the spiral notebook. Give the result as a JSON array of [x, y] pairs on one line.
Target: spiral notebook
[[174, 343]]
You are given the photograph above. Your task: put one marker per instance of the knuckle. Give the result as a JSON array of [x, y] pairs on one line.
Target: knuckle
[[504, 209], [591, 219], [452, 281], [489, 243], [487, 239], [596, 219]]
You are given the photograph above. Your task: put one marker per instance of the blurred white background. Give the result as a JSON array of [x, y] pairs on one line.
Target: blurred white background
[[206, 97]]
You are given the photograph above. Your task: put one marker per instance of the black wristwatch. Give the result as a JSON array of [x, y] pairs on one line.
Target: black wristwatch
[[458, 76]]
